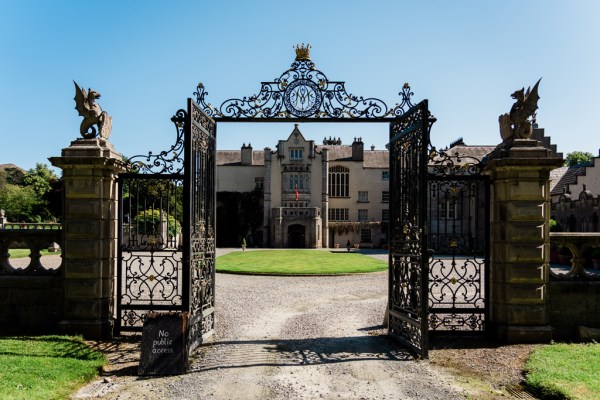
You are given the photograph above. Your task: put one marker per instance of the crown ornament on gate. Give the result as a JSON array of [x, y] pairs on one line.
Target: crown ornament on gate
[[302, 52]]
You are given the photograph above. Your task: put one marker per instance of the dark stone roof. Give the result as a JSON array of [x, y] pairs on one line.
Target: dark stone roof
[[372, 158], [234, 157], [340, 153], [561, 178], [470, 153]]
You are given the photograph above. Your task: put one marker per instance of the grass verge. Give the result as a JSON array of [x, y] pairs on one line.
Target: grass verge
[[45, 367], [298, 262], [565, 371], [22, 253]]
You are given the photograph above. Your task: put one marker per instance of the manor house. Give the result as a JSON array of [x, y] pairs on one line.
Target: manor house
[[308, 195]]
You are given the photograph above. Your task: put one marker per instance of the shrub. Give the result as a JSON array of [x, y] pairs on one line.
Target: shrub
[[149, 222], [555, 226]]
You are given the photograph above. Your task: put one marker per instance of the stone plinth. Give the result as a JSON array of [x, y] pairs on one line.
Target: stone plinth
[[90, 168], [520, 245]]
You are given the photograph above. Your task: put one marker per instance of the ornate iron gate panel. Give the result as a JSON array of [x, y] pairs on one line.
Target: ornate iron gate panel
[[200, 243], [458, 241], [408, 259], [150, 255], [166, 259]]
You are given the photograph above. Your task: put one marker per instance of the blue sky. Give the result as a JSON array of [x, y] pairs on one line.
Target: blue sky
[[146, 57]]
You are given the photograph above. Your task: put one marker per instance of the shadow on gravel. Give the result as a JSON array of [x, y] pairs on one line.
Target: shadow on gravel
[[371, 328], [442, 341], [296, 352], [123, 354]]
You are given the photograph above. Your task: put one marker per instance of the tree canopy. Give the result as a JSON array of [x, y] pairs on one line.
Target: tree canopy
[[32, 196], [578, 158]]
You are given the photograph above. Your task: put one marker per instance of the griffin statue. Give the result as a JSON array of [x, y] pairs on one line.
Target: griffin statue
[[517, 123], [85, 104]]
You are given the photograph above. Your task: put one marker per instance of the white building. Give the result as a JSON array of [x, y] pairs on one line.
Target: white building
[[312, 195]]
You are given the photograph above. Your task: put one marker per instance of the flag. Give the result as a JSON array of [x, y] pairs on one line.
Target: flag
[[296, 193]]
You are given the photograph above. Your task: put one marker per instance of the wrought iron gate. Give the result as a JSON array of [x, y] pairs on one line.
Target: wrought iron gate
[[167, 201], [408, 264], [166, 255], [458, 233]]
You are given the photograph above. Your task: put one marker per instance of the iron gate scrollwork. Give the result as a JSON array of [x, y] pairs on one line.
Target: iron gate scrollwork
[[201, 239], [408, 264], [166, 255], [167, 201], [306, 93], [458, 202]]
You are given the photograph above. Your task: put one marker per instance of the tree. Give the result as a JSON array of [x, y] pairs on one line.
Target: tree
[[10, 173], [44, 182], [19, 202], [40, 179], [578, 158], [32, 196]]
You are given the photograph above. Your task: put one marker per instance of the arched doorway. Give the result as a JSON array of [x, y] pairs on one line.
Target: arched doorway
[[296, 236]]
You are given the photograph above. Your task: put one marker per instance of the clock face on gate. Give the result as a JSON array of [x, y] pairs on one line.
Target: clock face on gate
[[302, 98]]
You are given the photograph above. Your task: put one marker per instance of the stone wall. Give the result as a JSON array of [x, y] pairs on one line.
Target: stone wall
[[31, 288], [573, 304], [30, 304]]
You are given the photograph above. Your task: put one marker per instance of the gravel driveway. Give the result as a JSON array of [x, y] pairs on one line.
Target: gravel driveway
[[289, 338]]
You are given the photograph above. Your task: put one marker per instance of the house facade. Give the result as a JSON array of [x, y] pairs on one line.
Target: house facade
[[307, 195], [311, 196], [575, 197]]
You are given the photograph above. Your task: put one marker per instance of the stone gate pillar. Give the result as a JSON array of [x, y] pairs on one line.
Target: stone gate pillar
[[520, 213], [90, 204]]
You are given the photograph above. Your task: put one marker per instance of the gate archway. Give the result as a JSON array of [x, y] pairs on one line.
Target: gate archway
[[177, 186]]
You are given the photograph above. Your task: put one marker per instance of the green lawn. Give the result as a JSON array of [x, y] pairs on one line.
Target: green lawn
[[309, 262], [565, 371], [45, 367], [22, 253]]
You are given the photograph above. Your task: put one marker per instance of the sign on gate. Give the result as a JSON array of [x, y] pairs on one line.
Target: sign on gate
[[164, 344]]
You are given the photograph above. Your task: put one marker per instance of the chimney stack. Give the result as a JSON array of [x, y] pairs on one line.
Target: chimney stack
[[358, 149], [246, 154]]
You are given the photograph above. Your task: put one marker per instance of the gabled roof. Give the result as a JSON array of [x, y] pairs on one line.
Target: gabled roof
[[296, 133], [561, 178]]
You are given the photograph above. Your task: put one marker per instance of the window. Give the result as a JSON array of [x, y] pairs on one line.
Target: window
[[363, 215], [385, 215], [259, 183], [448, 209], [338, 214], [385, 175], [339, 178], [365, 236], [363, 197], [296, 182], [295, 154], [385, 197]]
